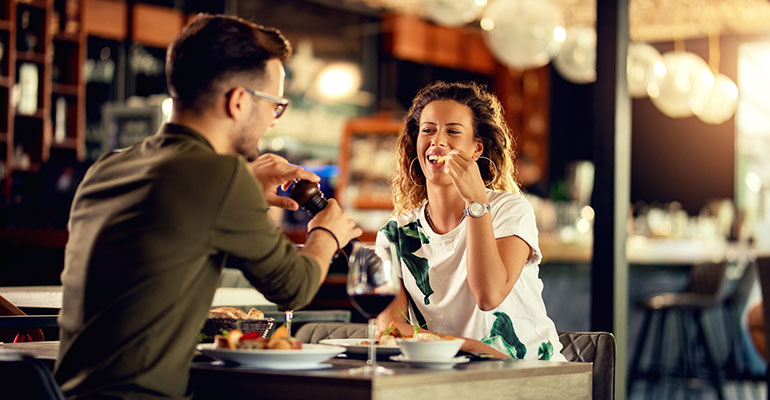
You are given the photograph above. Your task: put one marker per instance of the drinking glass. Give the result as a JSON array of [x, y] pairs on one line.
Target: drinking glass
[[372, 286], [289, 316]]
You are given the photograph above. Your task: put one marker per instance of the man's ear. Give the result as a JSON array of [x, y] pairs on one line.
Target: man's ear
[[235, 103]]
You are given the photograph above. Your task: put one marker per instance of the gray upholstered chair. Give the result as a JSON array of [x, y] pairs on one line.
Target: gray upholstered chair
[[313, 332], [763, 267], [597, 348]]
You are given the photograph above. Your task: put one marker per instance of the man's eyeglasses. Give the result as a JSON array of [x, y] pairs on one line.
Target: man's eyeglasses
[[280, 102]]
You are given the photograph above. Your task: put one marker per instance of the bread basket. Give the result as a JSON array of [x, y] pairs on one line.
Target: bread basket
[[215, 326]]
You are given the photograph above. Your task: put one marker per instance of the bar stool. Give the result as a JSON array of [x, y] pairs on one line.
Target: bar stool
[[703, 292], [737, 364]]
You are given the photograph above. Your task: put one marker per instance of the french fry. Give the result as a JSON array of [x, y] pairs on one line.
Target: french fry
[[441, 159]]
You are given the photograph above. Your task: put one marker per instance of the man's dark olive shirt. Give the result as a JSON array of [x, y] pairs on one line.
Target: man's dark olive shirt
[[149, 229]]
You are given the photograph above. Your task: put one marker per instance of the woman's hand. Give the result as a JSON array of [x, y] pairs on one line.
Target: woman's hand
[[479, 347], [465, 175]]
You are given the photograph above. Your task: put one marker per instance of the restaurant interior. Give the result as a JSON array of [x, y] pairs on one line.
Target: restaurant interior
[[650, 183]]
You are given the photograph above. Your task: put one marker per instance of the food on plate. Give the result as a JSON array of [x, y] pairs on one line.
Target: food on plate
[[426, 337], [237, 340], [235, 313], [388, 340], [286, 343], [390, 335]]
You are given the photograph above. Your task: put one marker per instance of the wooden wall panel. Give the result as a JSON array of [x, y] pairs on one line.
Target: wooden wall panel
[[156, 26], [106, 19]]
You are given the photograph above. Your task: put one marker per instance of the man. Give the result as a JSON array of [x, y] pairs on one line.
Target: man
[[151, 226]]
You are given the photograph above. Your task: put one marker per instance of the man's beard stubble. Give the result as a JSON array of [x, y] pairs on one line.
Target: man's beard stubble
[[247, 148]]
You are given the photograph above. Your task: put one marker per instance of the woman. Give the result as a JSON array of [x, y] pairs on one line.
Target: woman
[[466, 237]]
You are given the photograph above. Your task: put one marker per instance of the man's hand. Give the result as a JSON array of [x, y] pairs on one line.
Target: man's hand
[[274, 171]]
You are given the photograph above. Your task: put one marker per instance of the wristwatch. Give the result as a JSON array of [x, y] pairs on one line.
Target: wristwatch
[[477, 209]]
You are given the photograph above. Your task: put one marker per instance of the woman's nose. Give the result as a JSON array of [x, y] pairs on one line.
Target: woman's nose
[[439, 139]]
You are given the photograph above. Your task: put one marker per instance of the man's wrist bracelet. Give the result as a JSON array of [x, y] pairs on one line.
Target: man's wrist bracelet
[[321, 228]]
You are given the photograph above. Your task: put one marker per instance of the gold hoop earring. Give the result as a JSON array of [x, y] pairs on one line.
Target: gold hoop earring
[[493, 166], [411, 164]]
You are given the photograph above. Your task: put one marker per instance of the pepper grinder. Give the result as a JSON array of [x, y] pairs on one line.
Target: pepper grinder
[[310, 197]]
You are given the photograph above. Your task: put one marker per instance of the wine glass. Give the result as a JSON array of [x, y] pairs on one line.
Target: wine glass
[[372, 286], [289, 316]]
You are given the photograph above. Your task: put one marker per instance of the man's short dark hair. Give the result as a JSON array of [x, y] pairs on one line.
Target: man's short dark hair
[[213, 49]]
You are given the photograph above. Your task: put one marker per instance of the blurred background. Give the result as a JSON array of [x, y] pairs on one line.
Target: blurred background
[[79, 78]]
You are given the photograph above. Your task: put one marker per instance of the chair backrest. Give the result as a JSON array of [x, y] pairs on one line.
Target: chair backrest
[[742, 288], [597, 348], [313, 332], [763, 267], [25, 377], [707, 279]]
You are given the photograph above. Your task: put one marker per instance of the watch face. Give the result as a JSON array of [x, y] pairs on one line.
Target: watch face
[[476, 209]]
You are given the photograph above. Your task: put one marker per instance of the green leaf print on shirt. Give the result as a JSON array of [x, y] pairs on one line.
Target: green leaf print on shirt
[[408, 239], [545, 351], [502, 333]]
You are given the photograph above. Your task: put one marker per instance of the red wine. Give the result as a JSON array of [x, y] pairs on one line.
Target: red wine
[[371, 304]]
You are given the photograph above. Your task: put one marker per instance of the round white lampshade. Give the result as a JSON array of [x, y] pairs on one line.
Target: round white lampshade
[[687, 78], [523, 33], [452, 12], [719, 103], [644, 66], [576, 61]]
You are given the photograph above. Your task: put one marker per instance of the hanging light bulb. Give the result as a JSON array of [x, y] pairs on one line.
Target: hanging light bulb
[[453, 12], [523, 33], [576, 61], [686, 81], [719, 101], [644, 66]]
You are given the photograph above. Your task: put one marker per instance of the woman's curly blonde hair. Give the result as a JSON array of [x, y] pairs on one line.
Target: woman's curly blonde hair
[[488, 125]]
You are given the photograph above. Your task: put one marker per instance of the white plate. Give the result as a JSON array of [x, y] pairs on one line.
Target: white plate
[[444, 364], [309, 357], [354, 346]]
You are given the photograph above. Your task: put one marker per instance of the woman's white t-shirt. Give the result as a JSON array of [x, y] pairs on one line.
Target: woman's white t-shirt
[[433, 270]]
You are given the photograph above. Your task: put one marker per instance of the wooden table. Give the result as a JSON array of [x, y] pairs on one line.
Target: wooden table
[[475, 380]]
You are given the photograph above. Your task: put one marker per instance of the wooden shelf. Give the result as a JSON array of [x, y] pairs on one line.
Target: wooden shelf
[[36, 115], [72, 37], [66, 89], [45, 237], [66, 49], [373, 203], [30, 56], [34, 3], [67, 143]]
